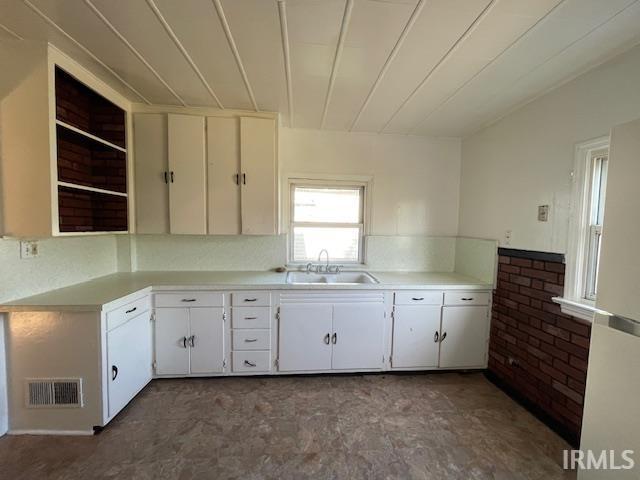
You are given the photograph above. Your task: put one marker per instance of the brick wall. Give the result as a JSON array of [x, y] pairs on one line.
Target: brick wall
[[535, 349]]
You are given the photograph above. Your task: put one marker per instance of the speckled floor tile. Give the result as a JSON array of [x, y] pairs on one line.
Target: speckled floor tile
[[423, 426]]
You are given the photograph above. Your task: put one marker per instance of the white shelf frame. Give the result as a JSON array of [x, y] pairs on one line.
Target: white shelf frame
[[90, 136], [91, 189]]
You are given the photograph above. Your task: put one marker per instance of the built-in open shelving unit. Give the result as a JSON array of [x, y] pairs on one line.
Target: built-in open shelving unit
[[91, 159]]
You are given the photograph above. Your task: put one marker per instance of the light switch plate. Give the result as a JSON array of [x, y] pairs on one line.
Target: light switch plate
[[543, 213], [28, 249]]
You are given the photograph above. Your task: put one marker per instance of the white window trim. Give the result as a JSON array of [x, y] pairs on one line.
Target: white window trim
[[365, 182], [573, 302]]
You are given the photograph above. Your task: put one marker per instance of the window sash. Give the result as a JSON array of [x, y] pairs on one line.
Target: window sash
[[328, 185]]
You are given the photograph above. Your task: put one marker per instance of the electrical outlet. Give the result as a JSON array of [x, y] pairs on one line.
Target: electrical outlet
[[543, 213], [507, 237], [28, 249]]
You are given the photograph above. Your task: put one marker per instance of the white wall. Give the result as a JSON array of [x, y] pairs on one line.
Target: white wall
[[416, 180], [525, 160]]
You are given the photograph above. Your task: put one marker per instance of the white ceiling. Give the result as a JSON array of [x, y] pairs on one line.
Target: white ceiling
[[424, 67]]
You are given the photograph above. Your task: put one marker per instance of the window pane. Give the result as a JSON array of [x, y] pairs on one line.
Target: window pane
[[341, 243], [335, 205]]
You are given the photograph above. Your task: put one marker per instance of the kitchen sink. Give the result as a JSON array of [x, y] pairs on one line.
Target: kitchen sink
[[342, 278]]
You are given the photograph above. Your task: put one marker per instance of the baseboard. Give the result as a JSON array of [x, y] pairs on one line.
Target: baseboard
[[570, 436], [51, 432]]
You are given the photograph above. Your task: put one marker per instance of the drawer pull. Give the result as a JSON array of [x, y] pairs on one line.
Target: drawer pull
[[250, 299], [250, 318], [417, 299], [249, 364], [131, 310], [188, 300], [250, 340], [466, 299], [436, 337]]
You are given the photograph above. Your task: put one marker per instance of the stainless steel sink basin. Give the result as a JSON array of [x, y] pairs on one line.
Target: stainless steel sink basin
[[342, 278]]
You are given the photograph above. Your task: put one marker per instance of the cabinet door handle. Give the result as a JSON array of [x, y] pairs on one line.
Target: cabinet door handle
[[250, 340], [417, 299], [244, 178], [249, 364], [444, 335], [335, 338], [166, 177], [466, 299], [327, 338], [132, 310], [184, 342], [188, 300], [192, 340], [172, 176], [237, 178], [114, 372], [250, 299], [436, 336]]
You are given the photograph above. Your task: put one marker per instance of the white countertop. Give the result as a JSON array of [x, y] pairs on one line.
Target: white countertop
[[103, 291]]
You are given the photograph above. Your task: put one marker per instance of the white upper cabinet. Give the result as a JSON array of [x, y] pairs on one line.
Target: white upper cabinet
[[220, 180], [151, 172], [258, 176], [223, 148], [187, 175]]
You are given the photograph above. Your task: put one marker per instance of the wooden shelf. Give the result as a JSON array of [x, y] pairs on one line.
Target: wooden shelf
[[90, 136]]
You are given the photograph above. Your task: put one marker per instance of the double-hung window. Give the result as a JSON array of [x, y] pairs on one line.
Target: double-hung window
[[326, 216], [598, 185], [585, 229]]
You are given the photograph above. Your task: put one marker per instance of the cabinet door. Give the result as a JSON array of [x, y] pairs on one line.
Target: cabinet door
[[171, 335], [223, 159], [129, 361], [304, 337], [207, 340], [259, 175], [151, 166], [416, 333], [358, 333], [463, 337], [187, 188]]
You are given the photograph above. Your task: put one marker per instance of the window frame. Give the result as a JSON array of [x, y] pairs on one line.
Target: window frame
[[595, 213], [327, 182], [576, 301]]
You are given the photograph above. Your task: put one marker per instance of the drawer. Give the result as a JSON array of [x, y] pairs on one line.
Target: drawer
[[251, 361], [251, 339], [466, 298], [122, 314], [251, 317], [251, 299], [418, 297], [189, 299]]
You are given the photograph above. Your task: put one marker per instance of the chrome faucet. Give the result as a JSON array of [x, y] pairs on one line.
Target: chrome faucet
[[324, 250]]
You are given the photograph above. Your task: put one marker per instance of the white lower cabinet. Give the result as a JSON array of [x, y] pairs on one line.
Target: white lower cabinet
[[416, 336], [463, 337], [305, 337], [331, 336], [189, 340], [128, 361]]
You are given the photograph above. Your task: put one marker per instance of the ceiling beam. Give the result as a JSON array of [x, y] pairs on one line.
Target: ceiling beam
[[11, 32], [405, 31], [236, 53], [59, 29], [487, 65], [485, 12], [284, 34], [344, 28], [183, 50], [133, 50]]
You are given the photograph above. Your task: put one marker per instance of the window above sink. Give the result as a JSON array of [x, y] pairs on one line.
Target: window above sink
[[326, 215]]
